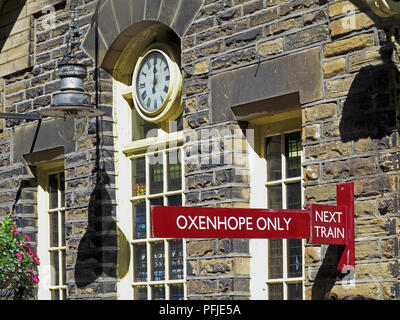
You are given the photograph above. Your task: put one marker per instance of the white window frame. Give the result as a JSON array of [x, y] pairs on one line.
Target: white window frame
[[149, 240], [126, 150], [45, 268], [259, 248]]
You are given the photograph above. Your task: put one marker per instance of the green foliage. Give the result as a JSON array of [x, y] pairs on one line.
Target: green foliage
[[17, 262]]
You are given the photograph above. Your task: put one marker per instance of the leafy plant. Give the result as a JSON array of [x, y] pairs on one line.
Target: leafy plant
[[17, 262]]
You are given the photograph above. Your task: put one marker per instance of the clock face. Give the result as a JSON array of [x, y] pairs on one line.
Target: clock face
[[153, 81]]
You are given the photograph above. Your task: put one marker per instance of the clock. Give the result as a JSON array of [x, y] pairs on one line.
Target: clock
[[157, 84]]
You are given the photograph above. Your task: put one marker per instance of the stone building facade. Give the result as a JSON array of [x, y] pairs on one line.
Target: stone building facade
[[323, 74]]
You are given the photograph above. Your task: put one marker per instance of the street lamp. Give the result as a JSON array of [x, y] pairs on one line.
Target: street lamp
[[71, 105]]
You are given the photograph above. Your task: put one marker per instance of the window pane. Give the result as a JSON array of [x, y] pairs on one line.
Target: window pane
[[53, 191], [293, 193], [55, 268], [63, 270], [62, 213], [139, 219], [139, 177], [141, 128], [62, 189], [174, 171], [55, 294], [157, 261], [64, 294], [53, 229], [275, 197], [273, 156], [176, 292], [295, 257], [275, 291], [158, 292], [140, 293], [140, 262], [175, 200], [176, 259], [156, 175], [293, 154], [295, 291], [157, 202], [275, 265]]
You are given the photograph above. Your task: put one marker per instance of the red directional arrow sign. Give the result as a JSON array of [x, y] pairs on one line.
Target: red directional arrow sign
[[322, 224], [200, 222]]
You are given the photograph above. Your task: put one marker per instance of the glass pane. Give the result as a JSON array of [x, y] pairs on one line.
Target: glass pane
[[158, 292], [273, 156], [157, 261], [293, 193], [157, 202], [63, 271], [140, 293], [53, 229], [140, 262], [295, 291], [141, 128], [55, 294], [139, 177], [176, 292], [293, 154], [62, 189], [174, 171], [156, 177], [176, 259], [64, 294], [53, 191], [139, 219], [295, 257], [275, 291], [275, 197], [62, 228], [275, 263], [55, 268], [175, 200]]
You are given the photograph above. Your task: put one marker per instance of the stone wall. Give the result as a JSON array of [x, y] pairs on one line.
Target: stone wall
[[88, 163], [348, 129], [352, 136], [349, 133]]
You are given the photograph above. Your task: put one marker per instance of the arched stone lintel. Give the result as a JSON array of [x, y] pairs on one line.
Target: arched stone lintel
[[116, 18]]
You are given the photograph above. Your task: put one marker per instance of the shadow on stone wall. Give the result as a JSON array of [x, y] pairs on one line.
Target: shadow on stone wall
[[368, 112], [98, 248], [12, 17], [370, 108]]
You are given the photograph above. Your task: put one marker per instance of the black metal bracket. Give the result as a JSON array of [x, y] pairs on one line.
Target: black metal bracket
[[24, 116]]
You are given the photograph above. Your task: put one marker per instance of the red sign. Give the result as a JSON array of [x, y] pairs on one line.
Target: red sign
[[322, 224], [328, 224], [200, 222]]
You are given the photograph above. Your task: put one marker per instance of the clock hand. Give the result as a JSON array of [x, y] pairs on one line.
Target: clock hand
[[155, 78]]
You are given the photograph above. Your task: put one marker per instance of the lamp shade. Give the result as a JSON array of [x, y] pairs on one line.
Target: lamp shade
[[71, 101]]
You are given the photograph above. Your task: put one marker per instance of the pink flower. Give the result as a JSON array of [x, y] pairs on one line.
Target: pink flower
[[36, 261], [34, 278], [27, 238], [19, 255], [15, 230]]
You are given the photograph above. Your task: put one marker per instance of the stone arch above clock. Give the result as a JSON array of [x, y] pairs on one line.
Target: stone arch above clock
[[116, 21]]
